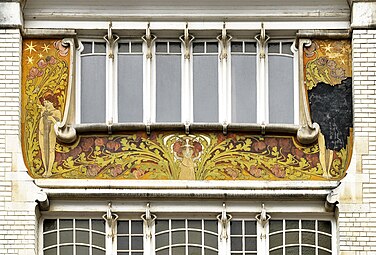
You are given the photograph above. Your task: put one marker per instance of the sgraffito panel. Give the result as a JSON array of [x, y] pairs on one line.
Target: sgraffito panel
[[159, 155], [328, 80]]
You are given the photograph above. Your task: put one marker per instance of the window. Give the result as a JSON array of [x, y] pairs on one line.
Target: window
[[210, 80], [191, 235]]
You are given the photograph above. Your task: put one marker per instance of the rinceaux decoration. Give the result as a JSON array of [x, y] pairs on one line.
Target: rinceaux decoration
[[167, 155]]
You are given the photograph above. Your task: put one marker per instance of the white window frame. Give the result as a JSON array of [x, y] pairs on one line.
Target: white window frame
[[224, 82], [192, 210]]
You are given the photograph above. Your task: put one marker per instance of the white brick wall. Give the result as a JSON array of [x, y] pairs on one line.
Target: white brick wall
[[17, 215], [357, 228]]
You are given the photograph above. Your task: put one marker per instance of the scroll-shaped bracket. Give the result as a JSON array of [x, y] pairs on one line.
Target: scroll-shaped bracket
[[111, 39], [263, 217], [149, 220], [223, 39], [64, 130], [308, 131], [149, 39], [187, 40], [187, 125], [42, 201], [262, 39], [110, 219], [225, 127], [224, 219]]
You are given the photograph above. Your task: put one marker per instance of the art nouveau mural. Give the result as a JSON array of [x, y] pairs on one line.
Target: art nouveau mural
[[163, 155]]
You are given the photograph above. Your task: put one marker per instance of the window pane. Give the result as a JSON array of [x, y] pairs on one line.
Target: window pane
[[308, 250], [286, 48], [137, 242], [275, 225], [308, 238], [194, 237], [251, 244], [52, 251], [205, 88], [250, 228], [98, 240], [99, 47], [82, 250], [292, 250], [87, 47], [236, 227], [273, 48], [175, 47], [168, 88], [130, 91], [178, 237], [66, 236], [98, 225], [49, 239], [161, 240], [244, 89], [211, 47], [82, 236], [66, 250], [250, 47], [93, 89], [65, 224], [325, 226], [198, 47], [122, 227], [325, 241], [137, 227], [236, 244], [82, 224], [281, 89], [123, 242], [237, 47], [123, 48], [49, 225], [136, 47], [161, 47]]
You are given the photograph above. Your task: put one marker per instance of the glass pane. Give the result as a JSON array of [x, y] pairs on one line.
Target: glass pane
[[273, 48], [68, 250], [198, 47], [130, 91], [292, 238], [236, 227], [49, 239], [292, 224], [244, 89], [276, 252], [137, 227], [82, 236], [308, 250], [211, 240], [322, 252], [196, 224], [236, 244], [175, 47], [168, 88], [250, 228], [281, 89], [292, 250], [308, 238], [136, 47], [123, 243], [52, 251], [177, 224], [178, 250], [211, 47], [87, 47], [99, 47], [123, 48], [123, 253], [98, 225], [325, 241], [211, 225], [137, 243], [66, 236], [194, 237], [194, 250], [286, 48], [163, 252], [237, 47], [93, 89], [308, 224], [49, 225], [65, 224], [205, 89], [98, 240], [161, 225], [275, 240], [178, 237], [82, 250], [275, 225], [82, 224], [210, 252], [122, 227], [161, 47], [250, 47], [251, 244], [325, 226], [98, 252], [161, 240]]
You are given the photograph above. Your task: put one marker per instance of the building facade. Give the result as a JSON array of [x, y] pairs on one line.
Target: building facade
[[171, 127]]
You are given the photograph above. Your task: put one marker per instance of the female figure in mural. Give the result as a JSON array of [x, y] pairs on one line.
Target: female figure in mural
[[47, 138], [187, 153]]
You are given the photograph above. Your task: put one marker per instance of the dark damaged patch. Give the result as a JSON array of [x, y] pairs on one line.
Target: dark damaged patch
[[331, 108]]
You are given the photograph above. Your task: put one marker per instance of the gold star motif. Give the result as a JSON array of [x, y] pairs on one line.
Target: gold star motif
[[328, 48], [30, 47], [40, 55], [30, 60], [45, 47]]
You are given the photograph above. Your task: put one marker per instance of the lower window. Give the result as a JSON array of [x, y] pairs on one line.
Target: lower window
[[189, 236]]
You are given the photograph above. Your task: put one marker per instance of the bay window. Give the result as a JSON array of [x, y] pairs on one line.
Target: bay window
[[207, 81]]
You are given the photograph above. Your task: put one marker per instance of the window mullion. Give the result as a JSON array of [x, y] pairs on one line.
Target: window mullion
[[110, 86], [262, 90], [186, 91]]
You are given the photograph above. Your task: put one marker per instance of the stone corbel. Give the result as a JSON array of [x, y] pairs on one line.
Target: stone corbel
[[42, 201], [64, 130], [308, 131]]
